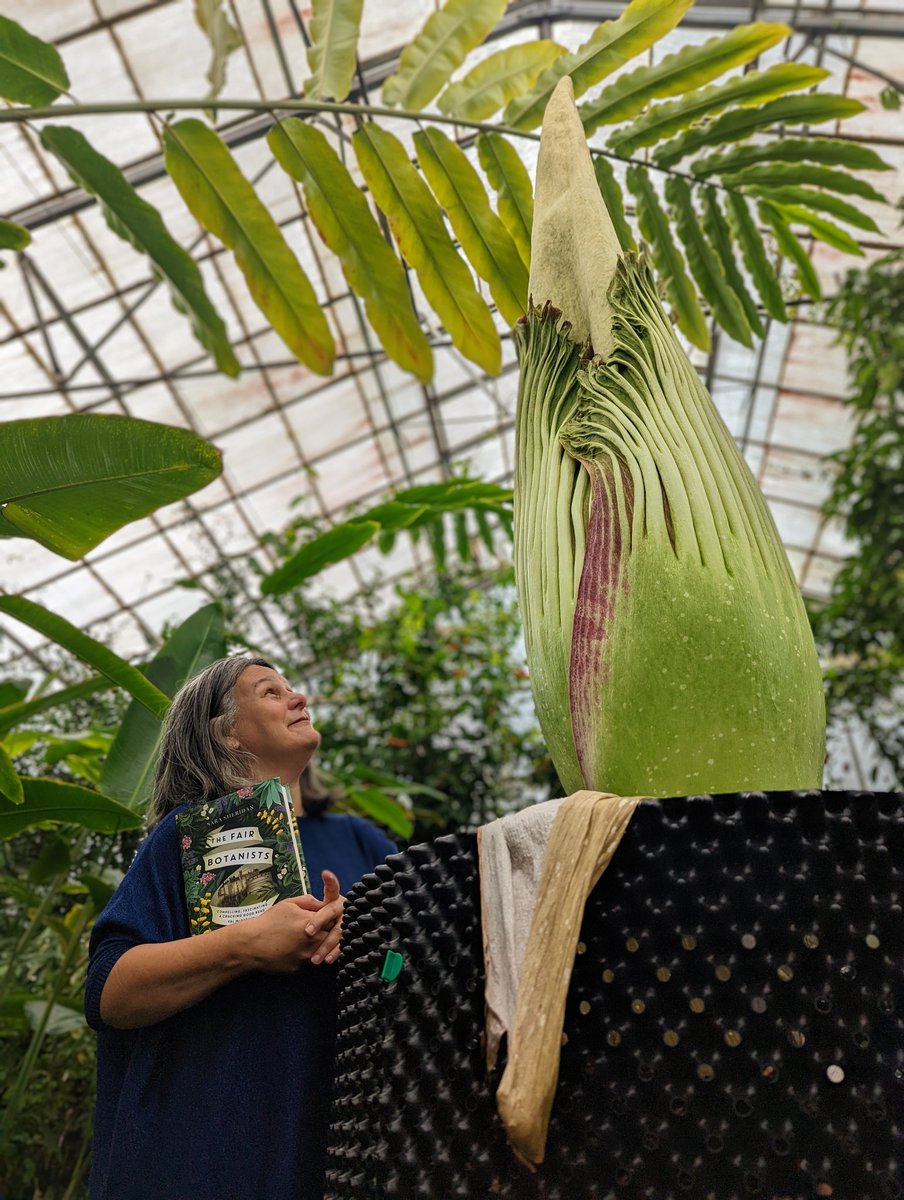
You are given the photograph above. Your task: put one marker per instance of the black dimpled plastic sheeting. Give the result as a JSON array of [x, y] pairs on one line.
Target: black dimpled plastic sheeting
[[734, 1025]]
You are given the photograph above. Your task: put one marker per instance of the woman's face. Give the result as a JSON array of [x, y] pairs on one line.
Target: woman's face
[[273, 723]]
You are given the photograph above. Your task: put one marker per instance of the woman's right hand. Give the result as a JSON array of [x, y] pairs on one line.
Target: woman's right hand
[[298, 930]]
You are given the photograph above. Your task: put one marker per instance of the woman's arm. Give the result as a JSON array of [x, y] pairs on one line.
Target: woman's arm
[[153, 981]]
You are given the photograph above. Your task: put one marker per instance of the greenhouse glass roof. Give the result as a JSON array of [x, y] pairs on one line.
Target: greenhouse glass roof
[[85, 328]]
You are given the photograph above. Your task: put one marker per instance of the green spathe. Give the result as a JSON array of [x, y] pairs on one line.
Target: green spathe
[[667, 641]]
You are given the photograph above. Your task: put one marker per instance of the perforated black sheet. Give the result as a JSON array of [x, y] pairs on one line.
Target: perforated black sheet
[[734, 1026]]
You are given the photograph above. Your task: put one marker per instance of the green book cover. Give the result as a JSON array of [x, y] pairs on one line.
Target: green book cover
[[240, 854]]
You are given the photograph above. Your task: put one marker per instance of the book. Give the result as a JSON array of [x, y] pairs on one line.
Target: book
[[240, 854]]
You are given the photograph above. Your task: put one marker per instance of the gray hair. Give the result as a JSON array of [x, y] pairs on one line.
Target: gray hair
[[195, 761]]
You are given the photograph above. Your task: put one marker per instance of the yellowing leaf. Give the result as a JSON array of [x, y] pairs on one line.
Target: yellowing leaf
[[482, 235], [610, 46], [332, 54], [508, 177], [417, 225], [347, 226], [441, 46], [498, 79], [225, 203]]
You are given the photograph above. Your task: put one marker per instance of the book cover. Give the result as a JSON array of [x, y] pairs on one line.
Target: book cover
[[240, 854]]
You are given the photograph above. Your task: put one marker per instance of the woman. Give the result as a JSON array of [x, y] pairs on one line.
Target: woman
[[215, 1052]]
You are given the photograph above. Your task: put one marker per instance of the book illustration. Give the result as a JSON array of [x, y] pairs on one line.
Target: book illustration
[[240, 855]]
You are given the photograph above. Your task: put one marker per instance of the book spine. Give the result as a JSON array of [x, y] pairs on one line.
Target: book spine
[[299, 857]]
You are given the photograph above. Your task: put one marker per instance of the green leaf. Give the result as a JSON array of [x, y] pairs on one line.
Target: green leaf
[[139, 224], [810, 109], [612, 197], [481, 234], [690, 68], [799, 197], [10, 783], [53, 800], [13, 236], [485, 530], [417, 224], [705, 267], [825, 150], [346, 224], [890, 97], [654, 226], [31, 71], [779, 175], [448, 35], [387, 782], [720, 236], [99, 889], [69, 482], [609, 47], [127, 774], [436, 535], [330, 547], [498, 79], [755, 87], [12, 691], [97, 655], [509, 178], [332, 55], [790, 247], [53, 859], [62, 1020], [462, 537], [825, 231], [224, 40], [13, 714], [756, 260], [224, 202], [382, 808]]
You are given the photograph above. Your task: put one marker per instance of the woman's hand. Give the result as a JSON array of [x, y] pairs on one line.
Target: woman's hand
[[298, 930]]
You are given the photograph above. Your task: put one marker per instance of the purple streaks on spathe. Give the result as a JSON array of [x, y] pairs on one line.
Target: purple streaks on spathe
[[601, 581]]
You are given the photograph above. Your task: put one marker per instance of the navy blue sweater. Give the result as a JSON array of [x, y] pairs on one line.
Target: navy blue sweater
[[229, 1099]]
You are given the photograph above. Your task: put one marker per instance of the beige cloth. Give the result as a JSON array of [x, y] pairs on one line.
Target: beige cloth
[[584, 834]]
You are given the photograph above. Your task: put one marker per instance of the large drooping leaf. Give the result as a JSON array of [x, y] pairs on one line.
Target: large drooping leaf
[[612, 197], [10, 783], [141, 225], [69, 482], [508, 177], [58, 1022], [790, 247], [411, 509], [690, 68], [225, 203], [418, 227], [609, 47], [803, 197], [31, 71], [14, 714], [798, 174], [756, 87], [482, 236], [756, 260], [704, 263], [53, 800], [811, 109], [448, 35], [90, 651], [654, 225], [498, 79], [347, 225], [127, 774], [224, 40], [330, 547], [719, 234], [383, 808], [825, 150], [332, 55]]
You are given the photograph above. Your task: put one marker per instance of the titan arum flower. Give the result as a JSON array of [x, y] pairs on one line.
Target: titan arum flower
[[667, 641]]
